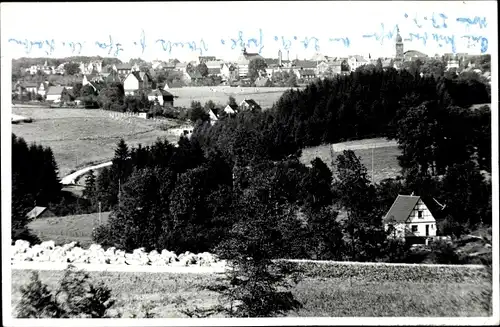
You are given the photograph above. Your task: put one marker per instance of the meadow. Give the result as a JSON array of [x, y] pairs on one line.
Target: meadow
[[385, 153], [321, 296], [80, 137], [264, 96], [63, 230]]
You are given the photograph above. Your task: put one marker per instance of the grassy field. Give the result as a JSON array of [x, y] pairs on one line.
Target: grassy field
[[385, 163], [80, 137], [321, 297], [265, 96], [63, 230]]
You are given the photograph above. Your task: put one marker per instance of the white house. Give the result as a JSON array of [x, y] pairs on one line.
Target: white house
[[231, 109], [134, 82], [54, 93], [41, 89], [409, 217]]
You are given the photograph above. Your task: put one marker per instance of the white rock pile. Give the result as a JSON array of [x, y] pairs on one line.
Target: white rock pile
[[95, 254]]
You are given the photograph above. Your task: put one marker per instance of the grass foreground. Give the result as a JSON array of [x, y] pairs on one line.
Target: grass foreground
[[324, 292]]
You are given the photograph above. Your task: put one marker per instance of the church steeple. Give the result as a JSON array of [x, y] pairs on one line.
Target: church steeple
[[399, 48]]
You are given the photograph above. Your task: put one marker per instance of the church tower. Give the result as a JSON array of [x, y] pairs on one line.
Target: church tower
[[399, 49]]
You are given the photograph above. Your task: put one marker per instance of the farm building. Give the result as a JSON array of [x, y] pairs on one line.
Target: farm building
[[409, 217], [54, 93], [39, 212], [162, 96]]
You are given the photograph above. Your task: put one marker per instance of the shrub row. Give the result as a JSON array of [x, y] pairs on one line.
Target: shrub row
[[417, 273]]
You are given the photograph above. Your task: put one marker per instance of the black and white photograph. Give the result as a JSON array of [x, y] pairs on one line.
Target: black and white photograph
[[249, 163]]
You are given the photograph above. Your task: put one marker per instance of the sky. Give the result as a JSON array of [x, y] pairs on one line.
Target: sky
[[186, 30]]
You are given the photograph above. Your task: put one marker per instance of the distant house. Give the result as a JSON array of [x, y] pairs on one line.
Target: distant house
[[244, 60], [214, 72], [193, 76], [54, 93], [135, 81], [249, 104], [39, 212], [30, 87], [124, 69], [409, 218], [42, 89], [229, 71], [304, 64], [204, 59], [163, 97], [183, 67], [356, 61], [231, 109], [214, 115], [305, 74]]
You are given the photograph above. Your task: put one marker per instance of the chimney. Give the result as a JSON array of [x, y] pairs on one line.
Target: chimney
[[279, 58]]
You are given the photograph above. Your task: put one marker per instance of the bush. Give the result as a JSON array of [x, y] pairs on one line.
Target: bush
[[80, 297], [37, 301], [444, 253], [77, 297]]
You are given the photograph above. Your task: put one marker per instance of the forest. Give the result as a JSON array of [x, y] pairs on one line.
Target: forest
[[242, 177]]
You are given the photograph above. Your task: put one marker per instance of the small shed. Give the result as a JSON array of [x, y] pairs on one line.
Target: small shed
[[39, 212]]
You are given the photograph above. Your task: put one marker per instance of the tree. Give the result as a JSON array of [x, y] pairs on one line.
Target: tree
[[435, 67], [197, 113], [77, 297], [232, 101], [344, 66], [90, 187], [255, 68], [255, 286], [363, 225], [292, 80], [379, 67], [202, 69], [72, 68], [37, 301]]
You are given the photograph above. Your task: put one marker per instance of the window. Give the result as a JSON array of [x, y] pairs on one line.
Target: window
[[420, 214], [414, 228]]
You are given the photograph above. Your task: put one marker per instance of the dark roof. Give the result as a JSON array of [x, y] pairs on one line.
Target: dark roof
[[304, 63], [195, 74], [124, 66], [137, 75], [401, 208], [55, 90], [159, 92], [252, 103], [234, 107], [30, 84]]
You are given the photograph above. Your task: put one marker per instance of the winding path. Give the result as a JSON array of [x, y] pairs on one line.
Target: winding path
[[71, 178]]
